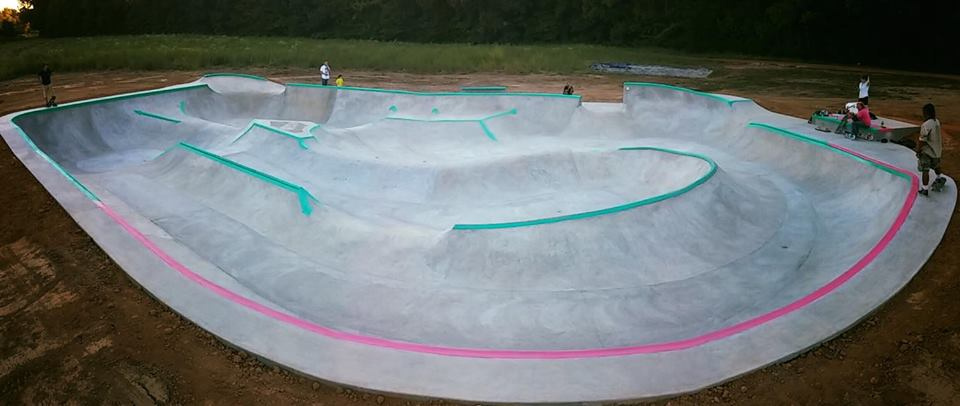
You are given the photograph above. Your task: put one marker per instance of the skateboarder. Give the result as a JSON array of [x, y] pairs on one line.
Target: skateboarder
[[325, 73], [46, 83], [339, 80], [928, 151]]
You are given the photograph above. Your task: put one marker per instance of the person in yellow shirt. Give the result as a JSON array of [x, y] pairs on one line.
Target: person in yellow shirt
[[339, 80]]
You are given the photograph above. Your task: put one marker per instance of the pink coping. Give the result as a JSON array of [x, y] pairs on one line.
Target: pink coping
[[538, 354]]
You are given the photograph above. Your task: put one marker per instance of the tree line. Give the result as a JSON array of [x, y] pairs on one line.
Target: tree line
[[886, 33]]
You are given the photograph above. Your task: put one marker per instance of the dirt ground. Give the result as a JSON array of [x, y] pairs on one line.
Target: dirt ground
[[75, 330]]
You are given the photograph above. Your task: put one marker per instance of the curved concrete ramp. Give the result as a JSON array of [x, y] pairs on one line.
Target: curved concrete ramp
[[498, 247]]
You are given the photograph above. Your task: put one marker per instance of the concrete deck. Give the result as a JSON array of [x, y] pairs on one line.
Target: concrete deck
[[496, 247]]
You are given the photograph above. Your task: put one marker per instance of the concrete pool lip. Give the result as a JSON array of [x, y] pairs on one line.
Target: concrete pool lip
[[712, 169], [634, 376]]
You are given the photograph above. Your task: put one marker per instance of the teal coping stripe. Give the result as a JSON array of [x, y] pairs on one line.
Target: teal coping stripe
[[609, 210], [76, 182], [483, 125], [797, 136], [237, 75], [299, 138], [480, 121], [107, 99], [302, 194], [486, 130], [824, 144], [157, 116], [691, 91], [412, 93], [511, 112], [875, 131]]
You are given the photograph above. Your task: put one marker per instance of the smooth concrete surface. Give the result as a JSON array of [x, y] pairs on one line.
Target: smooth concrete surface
[[494, 247]]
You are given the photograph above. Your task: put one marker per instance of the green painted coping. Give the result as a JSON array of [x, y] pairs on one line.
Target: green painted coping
[[256, 124], [824, 144], [829, 119], [483, 125], [480, 121], [610, 210], [236, 75], [511, 112], [486, 131], [157, 116], [107, 99], [302, 194], [686, 90], [412, 93], [484, 88], [76, 183]]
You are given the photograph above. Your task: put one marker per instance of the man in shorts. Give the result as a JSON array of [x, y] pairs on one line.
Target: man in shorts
[[929, 151], [46, 83]]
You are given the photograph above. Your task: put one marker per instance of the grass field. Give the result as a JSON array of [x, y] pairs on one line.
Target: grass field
[[218, 53], [191, 52]]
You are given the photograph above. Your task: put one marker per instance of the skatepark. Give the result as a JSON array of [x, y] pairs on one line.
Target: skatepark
[[556, 250]]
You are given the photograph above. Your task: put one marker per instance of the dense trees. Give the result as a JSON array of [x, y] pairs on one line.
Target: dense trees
[[878, 32], [10, 25]]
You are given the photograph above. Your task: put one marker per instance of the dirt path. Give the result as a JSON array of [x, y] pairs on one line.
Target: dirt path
[[75, 329]]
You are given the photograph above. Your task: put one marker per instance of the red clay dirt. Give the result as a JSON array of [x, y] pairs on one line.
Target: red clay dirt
[[75, 330]]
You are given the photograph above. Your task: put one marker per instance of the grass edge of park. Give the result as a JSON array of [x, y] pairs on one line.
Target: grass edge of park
[[199, 52]]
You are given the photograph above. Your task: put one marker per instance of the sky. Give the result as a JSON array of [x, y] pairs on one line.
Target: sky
[[9, 4]]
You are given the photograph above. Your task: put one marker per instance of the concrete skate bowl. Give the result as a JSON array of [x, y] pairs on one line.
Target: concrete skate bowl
[[495, 247]]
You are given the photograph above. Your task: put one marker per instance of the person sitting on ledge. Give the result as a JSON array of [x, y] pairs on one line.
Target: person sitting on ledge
[[859, 120]]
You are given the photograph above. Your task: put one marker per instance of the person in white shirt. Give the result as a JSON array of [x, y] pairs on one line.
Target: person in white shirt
[[929, 151], [864, 90], [325, 73]]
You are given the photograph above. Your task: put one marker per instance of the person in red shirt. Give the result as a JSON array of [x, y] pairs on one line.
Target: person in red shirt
[[859, 121]]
